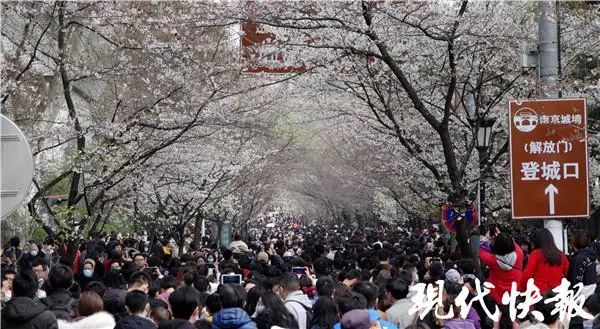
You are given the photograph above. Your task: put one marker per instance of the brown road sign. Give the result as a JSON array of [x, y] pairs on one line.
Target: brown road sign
[[549, 158]]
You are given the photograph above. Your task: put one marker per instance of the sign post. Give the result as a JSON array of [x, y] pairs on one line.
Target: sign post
[[549, 158]]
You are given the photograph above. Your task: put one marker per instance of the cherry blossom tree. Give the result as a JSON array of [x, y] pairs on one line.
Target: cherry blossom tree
[[158, 111], [420, 73], [102, 89]]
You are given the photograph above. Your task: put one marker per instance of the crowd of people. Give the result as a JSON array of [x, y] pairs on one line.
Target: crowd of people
[[287, 276]]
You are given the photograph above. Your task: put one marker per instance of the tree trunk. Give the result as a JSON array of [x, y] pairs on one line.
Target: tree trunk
[[198, 229], [219, 230], [34, 214]]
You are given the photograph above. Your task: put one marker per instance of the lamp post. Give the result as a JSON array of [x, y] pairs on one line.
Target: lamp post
[[483, 130]]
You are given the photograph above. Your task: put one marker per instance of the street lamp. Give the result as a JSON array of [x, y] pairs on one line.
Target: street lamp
[[483, 131], [482, 127]]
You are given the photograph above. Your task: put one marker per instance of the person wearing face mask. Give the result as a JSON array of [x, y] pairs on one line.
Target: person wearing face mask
[[7, 281], [41, 268], [116, 255], [87, 275], [26, 260], [24, 311]]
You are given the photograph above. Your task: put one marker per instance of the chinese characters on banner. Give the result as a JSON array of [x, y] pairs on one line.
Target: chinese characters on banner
[[568, 303], [549, 158], [262, 53], [269, 48]]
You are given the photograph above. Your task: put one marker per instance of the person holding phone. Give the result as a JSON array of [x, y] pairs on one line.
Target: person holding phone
[[505, 261], [231, 279]]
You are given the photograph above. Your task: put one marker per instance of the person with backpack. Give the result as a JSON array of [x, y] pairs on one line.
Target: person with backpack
[[59, 300], [295, 300], [23, 311], [504, 258]]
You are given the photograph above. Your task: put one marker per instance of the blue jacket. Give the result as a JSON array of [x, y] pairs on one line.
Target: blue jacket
[[373, 315], [232, 318]]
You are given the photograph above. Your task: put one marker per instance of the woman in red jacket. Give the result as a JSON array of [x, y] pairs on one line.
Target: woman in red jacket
[[547, 265], [505, 261]]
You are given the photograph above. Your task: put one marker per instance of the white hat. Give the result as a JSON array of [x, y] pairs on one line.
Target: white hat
[[454, 276]]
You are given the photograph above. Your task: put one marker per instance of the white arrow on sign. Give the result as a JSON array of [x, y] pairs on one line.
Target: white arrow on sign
[[551, 190]]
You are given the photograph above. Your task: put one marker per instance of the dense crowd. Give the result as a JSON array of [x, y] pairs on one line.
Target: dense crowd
[[286, 275]]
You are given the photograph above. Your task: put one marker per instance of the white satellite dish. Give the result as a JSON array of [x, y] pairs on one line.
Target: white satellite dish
[[16, 171]]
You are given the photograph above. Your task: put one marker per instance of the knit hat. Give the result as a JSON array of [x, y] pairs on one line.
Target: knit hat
[[454, 276], [356, 319], [263, 257], [90, 261]]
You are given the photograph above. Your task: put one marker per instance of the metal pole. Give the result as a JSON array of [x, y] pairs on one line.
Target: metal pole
[[483, 154], [548, 70], [481, 202]]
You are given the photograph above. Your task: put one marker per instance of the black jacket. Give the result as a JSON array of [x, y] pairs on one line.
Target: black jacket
[[26, 313], [61, 297], [176, 324], [114, 303], [582, 267], [135, 322], [26, 260], [83, 281]]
